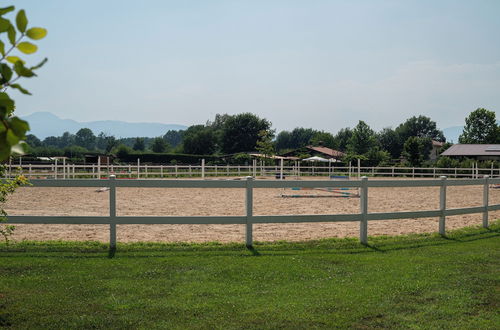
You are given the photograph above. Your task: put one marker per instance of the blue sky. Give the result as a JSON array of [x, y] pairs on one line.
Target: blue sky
[[320, 64]]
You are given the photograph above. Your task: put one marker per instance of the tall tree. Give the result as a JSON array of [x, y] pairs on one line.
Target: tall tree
[[480, 127], [241, 132], [420, 126], [85, 138], [362, 139], [389, 141]]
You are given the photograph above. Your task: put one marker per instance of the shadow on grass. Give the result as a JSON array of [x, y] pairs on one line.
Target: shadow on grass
[[377, 244]]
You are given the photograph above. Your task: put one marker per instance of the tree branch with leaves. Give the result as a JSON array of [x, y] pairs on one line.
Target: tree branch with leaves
[[12, 68]]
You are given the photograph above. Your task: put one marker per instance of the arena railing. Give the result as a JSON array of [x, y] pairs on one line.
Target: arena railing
[[249, 184]]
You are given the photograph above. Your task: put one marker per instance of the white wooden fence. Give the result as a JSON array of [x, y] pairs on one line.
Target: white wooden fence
[[62, 170], [363, 217]]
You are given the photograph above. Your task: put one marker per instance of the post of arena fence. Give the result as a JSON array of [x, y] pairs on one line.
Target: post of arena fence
[[363, 223], [112, 212], [486, 191], [442, 206], [249, 211]]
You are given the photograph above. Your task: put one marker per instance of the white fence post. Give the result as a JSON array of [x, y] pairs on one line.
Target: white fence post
[[112, 212], [363, 224], [203, 168], [359, 168], [281, 169], [138, 168], [98, 167], [55, 169], [442, 206], [64, 168], [249, 211], [486, 192]]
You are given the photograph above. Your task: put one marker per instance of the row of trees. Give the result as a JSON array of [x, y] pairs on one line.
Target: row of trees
[[231, 134]]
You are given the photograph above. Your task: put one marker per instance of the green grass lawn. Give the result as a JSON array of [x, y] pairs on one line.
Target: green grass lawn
[[417, 281]]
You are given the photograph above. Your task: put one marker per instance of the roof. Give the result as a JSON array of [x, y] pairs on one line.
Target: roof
[[473, 150], [327, 151], [254, 154]]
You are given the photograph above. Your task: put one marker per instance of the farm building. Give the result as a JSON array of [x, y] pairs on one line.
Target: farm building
[[320, 151], [476, 151]]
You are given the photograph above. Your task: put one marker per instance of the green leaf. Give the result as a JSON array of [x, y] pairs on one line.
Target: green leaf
[[22, 71], [6, 10], [12, 138], [4, 147], [21, 89], [36, 33], [21, 21], [2, 48], [6, 72], [6, 105], [19, 127], [14, 59], [39, 65], [4, 24], [11, 33], [27, 47]]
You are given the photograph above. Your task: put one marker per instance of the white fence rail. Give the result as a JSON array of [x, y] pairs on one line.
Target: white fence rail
[[363, 217], [144, 171]]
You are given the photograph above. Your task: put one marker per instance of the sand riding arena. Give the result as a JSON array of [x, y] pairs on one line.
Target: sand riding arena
[[71, 201]]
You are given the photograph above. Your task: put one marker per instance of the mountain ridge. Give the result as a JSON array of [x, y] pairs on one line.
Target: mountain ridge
[[44, 124]]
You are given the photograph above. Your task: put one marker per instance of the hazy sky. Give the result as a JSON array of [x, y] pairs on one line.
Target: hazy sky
[[320, 64]]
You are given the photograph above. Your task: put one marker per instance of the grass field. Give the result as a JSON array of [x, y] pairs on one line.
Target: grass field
[[417, 281]]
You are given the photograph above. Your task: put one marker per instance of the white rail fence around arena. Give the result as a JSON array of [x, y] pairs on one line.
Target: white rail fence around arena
[[363, 217], [62, 170]]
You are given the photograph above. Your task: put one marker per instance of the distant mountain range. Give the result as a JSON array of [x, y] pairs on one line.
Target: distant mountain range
[[45, 124]]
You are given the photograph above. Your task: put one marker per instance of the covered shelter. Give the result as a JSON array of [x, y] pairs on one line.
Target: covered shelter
[[476, 151]]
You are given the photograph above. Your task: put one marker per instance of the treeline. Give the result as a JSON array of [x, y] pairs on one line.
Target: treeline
[[410, 142]]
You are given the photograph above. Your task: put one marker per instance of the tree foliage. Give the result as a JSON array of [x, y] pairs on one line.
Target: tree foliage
[[159, 145], [85, 138], [417, 149], [139, 144], [480, 127], [240, 132], [12, 68], [362, 139], [199, 140]]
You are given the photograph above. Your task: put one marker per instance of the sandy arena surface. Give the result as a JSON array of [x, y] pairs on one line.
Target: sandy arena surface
[[199, 202]]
